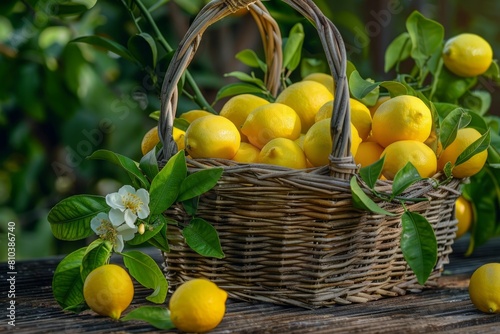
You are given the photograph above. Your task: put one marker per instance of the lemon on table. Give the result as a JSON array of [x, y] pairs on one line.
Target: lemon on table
[[108, 290], [191, 115], [464, 215], [269, 121], [318, 143], [197, 306], [399, 153], [465, 137], [484, 288], [212, 136], [305, 97], [322, 78], [247, 153], [237, 109], [403, 117], [283, 152], [467, 55]]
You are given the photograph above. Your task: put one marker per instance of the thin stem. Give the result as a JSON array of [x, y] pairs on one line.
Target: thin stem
[[198, 96]]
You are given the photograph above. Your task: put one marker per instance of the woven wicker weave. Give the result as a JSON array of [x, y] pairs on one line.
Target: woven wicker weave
[[292, 236]]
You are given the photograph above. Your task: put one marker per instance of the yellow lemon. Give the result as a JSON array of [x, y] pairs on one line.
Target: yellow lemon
[[377, 104], [403, 117], [368, 153], [197, 306], [399, 153], [191, 115], [467, 55], [300, 140], [212, 136], [179, 136], [465, 137], [464, 215], [484, 288], [150, 140], [108, 290], [237, 109], [269, 121], [247, 153], [283, 152], [305, 97], [324, 112], [318, 143], [322, 78]]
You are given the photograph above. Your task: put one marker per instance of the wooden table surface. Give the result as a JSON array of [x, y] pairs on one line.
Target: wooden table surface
[[445, 309]]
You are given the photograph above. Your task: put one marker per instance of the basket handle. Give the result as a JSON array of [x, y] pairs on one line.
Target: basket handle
[[341, 161]]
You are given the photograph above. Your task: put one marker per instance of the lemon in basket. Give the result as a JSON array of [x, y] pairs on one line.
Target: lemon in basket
[[212, 136], [484, 288], [318, 143], [269, 121], [237, 109], [399, 153], [403, 117], [322, 78], [108, 290], [191, 115], [197, 306], [368, 153], [305, 97], [464, 215], [467, 55], [464, 138], [247, 153], [283, 152], [151, 139]]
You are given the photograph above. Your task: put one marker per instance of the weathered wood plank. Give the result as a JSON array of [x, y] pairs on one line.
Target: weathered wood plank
[[446, 308]]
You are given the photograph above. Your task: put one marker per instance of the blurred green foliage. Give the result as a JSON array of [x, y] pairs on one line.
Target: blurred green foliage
[[61, 99]]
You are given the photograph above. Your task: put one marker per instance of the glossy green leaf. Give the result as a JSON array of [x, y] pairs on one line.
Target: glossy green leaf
[[97, 254], [370, 174], [107, 44], [70, 218], [360, 87], [130, 166], [67, 283], [203, 238], [166, 185], [476, 147], [146, 271], [72, 7], [426, 37], [418, 244], [198, 183], [237, 89], [477, 100], [493, 72], [159, 240], [394, 88], [149, 164], [398, 50], [143, 47], [404, 178], [154, 226], [293, 47], [250, 58], [156, 316], [246, 78], [360, 200], [454, 121]]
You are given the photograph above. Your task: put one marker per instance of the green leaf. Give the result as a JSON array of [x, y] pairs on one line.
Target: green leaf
[[155, 224], [454, 121], [398, 50], [181, 124], [394, 88], [166, 185], [426, 37], [159, 240], [191, 206], [404, 178], [361, 201], [107, 44], [70, 218], [203, 238], [476, 147], [143, 47], [247, 78], [156, 316], [149, 164], [67, 283], [293, 47], [145, 270], [96, 255], [237, 89], [73, 7], [250, 58], [478, 100], [493, 72], [447, 169], [370, 174], [418, 244], [198, 183], [360, 87], [129, 165]]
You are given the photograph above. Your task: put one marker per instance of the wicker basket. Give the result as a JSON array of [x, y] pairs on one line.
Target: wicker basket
[[293, 236]]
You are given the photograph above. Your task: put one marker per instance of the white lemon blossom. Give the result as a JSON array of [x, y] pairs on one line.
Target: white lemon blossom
[[127, 204], [105, 229]]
